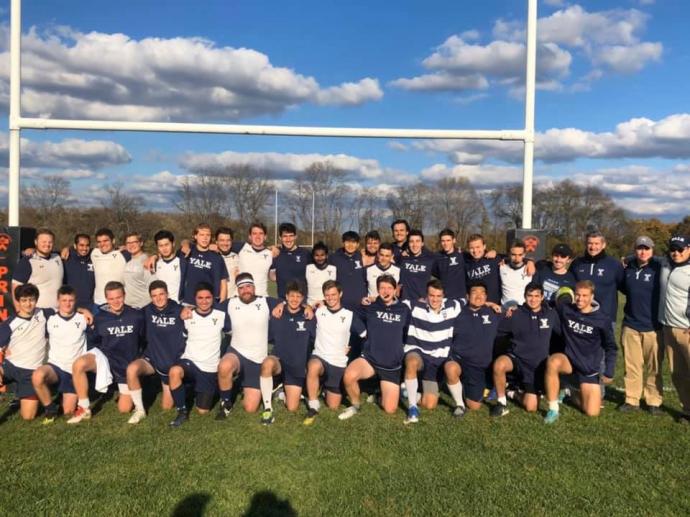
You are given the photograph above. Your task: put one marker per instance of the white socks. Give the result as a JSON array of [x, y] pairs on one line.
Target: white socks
[[456, 393], [411, 387], [314, 404], [85, 403], [138, 399], [266, 385], [553, 405]]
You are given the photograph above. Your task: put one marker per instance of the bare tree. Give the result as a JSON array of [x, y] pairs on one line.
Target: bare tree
[[456, 204], [368, 210], [204, 197], [48, 199], [249, 189], [123, 209], [411, 203]]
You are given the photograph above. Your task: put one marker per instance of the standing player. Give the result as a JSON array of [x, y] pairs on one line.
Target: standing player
[[79, 271], [589, 342], [255, 258], [66, 330], [137, 278], [224, 238], [317, 273], [334, 325], [400, 228], [372, 242], [23, 342], [415, 267], [117, 335], [291, 262], [43, 269], [350, 272], [450, 266], [383, 266], [554, 275], [293, 335], [471, 353], [108, 264], [429, 340], [171, 267], [199, 362], [386, 321], [249, 315], [514, 277], [481, 268], [165, 344], [530, 328], [204, 266]]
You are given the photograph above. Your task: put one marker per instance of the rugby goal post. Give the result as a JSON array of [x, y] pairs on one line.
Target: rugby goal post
[[17, 122]]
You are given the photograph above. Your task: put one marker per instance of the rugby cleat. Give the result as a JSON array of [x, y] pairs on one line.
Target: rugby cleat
[[499, 410], [348, 413], [459, 411], [311, 417], [267, 417], [136, 417], [181, 418], [224, 409], [551, 416], [412, 415], [80, 414]]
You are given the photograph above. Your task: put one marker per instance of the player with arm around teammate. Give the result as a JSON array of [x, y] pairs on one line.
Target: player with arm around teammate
[[386, 320], [293, 335], [589, 341]]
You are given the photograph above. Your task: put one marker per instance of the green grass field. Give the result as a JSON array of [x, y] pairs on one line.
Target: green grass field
[[617, 464]]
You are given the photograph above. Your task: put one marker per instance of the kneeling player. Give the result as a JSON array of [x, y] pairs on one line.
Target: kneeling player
[[117, 333], [473, 343], [386, 321], [334, 324], [199, 362], [429, 339], [165, 343], [530, 328], [292, 336], [66, 332], [23, 339], [588, 337]]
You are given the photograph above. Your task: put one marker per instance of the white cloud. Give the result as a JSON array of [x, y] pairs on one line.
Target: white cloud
[[682, 168], [628, 59], [66, 73], [441, 81], [479, 175]]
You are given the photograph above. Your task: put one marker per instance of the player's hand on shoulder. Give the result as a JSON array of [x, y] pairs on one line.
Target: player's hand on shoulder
[[497, 308], [150, 263], [29, 251], [88, 315], [366, 301], [186, 247], [275, 251], [530, 267], [186, 313], [308, 312], [213, 247], [64, 253], [490, 254], [277, 311]]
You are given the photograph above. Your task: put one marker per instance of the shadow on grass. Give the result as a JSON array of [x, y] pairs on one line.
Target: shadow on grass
[[4, 417], [194, 505], [266, 504]]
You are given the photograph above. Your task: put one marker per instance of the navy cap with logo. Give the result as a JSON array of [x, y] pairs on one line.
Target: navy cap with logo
[[562, 250], [679, 242]]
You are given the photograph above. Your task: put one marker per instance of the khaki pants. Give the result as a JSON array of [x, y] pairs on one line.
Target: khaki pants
[[644, 355], [679, 342]]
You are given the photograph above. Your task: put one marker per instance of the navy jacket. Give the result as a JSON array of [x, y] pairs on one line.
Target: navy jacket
[[415, 272], [530, 333], [79, 274], [486, 271], [203, 266], [474, 335], [351, 275], [291, 265], [607, 275], [641, 287], [450, 269], [119, 337], [386, 333], [165, 335]]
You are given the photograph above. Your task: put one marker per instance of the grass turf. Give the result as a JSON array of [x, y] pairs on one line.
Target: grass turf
[[617, 464]]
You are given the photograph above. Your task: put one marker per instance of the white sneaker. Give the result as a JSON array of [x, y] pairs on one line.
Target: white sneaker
[[79, 415], [137, 416], [348, 413]]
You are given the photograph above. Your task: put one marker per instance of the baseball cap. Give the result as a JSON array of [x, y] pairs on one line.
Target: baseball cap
[[643, 240], [679, 242], [562, 249]]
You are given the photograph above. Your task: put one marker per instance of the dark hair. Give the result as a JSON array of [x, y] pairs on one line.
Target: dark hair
[[386, 279], [400, 221], [517, 243], [203, 286], [434, 283], [224, 230], [163, 234], [472, 285], [26, 291], [79, 236], [372, 235], [446, 232], [158, 284], [286, 228], [114, 285], [417, 233], [45, 231], [594, 234], [258, 224], [534, 286], [66, 290], [350, 236], [294, 286], [107, 232], [319, 246], [476, 237], [330, 284], [386, 246]]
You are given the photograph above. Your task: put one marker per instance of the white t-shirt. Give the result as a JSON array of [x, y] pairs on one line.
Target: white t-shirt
[[333, 331], [315, 280], [66, 340], [25, 339], [170, 272], [232, 263], [258, 263], [374, 271], [204, 336], [137, 280], [107, 267], [513, 283], [46, 274], [250, 327]]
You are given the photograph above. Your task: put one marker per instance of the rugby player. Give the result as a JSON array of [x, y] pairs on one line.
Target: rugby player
[[400, 229], [79, 271], [291, 262], [318, 272], [224, 237], [416, 267], [372, 242], [555, 274], [514, 277], [255, 258], [204, 266], [43, 268], [383, 266], [136, 277], [350, 272], [171, 267], [450, 266]]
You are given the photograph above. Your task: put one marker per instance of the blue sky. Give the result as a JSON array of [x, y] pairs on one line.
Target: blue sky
[[612, 108]]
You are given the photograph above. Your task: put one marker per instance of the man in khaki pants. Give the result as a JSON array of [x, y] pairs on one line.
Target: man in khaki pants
[[641, 337], [674, 312]]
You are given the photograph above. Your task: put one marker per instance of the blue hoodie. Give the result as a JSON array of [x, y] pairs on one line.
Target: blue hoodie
[[530, 333], [386, 333]]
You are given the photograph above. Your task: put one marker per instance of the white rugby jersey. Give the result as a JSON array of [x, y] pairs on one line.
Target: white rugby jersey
[[250, 327], [374, 271], [204, 336], [258, 263], [66, 339], [46, 273], [513, 283], [107, 267], [25, 339], [137, 280], [232, 263], [315, 280], [170, 272], [333, 331]]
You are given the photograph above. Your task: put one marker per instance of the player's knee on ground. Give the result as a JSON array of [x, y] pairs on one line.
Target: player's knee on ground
[[531, 404], [28, 407], [473, 405]]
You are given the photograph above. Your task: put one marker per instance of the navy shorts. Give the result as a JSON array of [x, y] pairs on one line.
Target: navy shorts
[[386, 374], [293, 375], [204, 382], [21, 377], [530, 378], [164, 377], [249, 373], [432, 367], [332, 375], [581, 377], [473, 380], [64, 383]]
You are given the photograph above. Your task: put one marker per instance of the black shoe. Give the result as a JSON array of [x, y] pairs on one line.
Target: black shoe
[[683, 419], [224, 409], [655, 410], [628, 408], [181, 418], [499, 410]]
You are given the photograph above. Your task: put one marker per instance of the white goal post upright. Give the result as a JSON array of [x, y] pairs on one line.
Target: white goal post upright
[[17, 122]]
